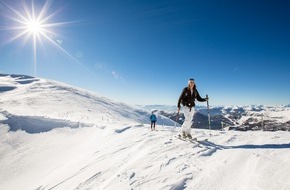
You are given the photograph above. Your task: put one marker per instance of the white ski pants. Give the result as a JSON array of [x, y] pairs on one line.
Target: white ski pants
[[188, 114]]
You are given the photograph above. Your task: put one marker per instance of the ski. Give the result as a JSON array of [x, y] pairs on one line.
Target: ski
[[183, 139], [199, 140], [193, 140]]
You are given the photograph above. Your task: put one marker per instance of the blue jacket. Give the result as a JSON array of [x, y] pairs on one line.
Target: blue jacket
[[153, 117]]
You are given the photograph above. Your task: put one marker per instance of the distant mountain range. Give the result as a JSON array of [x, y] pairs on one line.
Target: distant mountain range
[[254, 117]]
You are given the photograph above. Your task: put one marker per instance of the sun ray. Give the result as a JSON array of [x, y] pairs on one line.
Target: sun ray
[[34, 24], [60, 48]]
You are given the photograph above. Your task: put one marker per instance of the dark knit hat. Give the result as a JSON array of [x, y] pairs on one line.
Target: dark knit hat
[[190, 80]]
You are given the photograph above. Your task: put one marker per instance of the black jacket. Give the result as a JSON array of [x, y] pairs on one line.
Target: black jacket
[[187, 99]]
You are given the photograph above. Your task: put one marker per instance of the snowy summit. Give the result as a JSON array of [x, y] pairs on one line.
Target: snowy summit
[[54, 136]]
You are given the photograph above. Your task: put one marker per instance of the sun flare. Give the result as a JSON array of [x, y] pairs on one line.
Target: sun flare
[[35, 27], [31, 23]]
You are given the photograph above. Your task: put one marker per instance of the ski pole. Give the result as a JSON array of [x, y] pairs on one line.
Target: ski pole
[[208, 115], [174, 125]]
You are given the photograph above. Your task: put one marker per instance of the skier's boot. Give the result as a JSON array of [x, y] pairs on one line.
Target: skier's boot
[[184, 135], [189, 136]]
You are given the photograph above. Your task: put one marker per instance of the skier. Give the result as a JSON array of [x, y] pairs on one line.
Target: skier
[[153, 121], [187, 98]]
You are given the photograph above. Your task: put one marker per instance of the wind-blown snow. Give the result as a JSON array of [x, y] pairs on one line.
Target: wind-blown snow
[[51, 100], [55, 136]]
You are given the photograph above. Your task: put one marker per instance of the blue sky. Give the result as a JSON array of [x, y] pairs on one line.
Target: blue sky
[[143, 52]]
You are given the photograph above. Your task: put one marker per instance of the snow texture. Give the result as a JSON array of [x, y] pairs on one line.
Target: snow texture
[[54, 137]]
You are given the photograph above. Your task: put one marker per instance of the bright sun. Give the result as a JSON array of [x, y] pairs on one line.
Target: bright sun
[[34, 27], [30, 23]]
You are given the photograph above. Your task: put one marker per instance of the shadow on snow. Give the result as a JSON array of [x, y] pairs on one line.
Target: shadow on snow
[[246, 146], [263, 146], [34, 124]]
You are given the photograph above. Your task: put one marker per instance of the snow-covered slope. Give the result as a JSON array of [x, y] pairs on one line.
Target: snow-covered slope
[[32, 100], [105, 146]]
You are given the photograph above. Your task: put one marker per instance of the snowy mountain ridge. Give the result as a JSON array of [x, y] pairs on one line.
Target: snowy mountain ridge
[[24, 96], [54, 136]]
